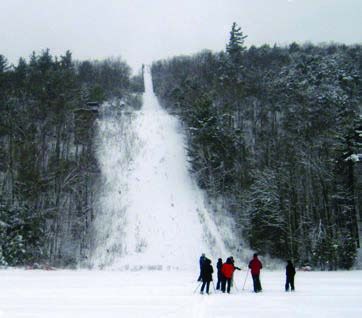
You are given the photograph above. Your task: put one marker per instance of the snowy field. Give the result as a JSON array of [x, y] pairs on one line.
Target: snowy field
[[94, 294]]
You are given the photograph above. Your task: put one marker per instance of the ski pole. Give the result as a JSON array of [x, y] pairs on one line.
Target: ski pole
[[246, 276], [234, 285], [197, 287]]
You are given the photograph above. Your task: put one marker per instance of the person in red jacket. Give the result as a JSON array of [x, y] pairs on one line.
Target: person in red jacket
[[227, 271], [255, 266]]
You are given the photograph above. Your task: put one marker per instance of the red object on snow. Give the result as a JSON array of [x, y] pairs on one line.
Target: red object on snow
[[227, 270], [255, 266]]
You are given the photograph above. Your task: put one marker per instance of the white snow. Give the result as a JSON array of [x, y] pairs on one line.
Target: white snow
[[152, 214], [127, 294]]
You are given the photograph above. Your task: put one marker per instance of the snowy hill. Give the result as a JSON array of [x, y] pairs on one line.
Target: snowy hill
[[151, 212]]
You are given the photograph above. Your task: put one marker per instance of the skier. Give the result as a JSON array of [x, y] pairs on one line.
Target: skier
[[228, 270], [201, 262], [290, 273], [255, 266], [220, 276], [206, 275]]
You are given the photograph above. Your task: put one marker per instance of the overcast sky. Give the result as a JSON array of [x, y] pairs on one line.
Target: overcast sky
[[140, 31]]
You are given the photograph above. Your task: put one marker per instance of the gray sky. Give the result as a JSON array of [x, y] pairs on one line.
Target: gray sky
[[140, 31]]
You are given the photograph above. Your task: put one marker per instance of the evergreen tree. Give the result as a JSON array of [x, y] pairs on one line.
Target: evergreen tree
[[236, 47]]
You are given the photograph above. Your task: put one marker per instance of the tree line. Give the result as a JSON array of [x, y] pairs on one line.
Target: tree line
[[48, 169], [274, 134]]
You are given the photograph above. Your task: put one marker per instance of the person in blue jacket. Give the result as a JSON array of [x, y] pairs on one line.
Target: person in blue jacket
[[201, 261]]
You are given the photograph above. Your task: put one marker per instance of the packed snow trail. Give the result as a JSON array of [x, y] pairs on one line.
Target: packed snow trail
[[151, 212]]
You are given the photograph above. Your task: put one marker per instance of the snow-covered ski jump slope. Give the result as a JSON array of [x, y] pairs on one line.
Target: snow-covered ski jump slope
[[151, 212]]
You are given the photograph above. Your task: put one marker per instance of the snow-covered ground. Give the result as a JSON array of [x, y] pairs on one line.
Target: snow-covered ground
[[94, 294]]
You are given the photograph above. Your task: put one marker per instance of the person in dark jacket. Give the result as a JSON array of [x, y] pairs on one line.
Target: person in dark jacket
[[255, 266], [220, 276], [290, 273], [201, 262], [206, 275]]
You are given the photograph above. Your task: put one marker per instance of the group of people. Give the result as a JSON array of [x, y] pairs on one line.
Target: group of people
[[225, 272]]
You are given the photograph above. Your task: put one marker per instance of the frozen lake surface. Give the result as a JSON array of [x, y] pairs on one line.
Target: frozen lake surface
[[91, 294]]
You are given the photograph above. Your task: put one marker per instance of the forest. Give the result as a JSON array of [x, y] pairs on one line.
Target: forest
[[48, 169], [274, 134]]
